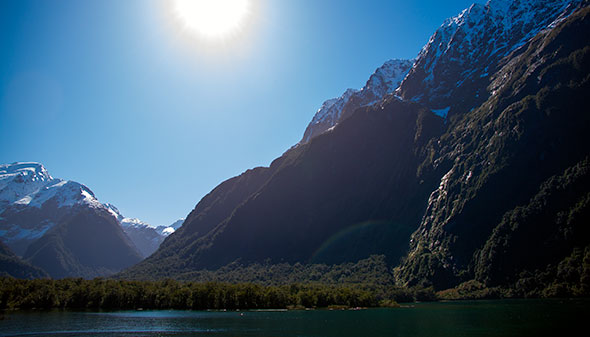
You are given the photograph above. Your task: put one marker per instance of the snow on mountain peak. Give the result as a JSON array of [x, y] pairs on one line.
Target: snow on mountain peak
[[30, 184], [114, 211], [385, 80], [32, 202], [466, 48], [17, 180], [27, 191], [331, 109], [125, 222], [33, 170], [167, 230], [65, 193]]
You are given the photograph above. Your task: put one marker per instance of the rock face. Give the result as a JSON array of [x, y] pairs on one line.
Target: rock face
[[475, 168], [455, 67], [59, 225], [513, 173]]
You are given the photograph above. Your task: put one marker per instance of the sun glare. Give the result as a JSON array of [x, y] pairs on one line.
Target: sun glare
[[213, 19]]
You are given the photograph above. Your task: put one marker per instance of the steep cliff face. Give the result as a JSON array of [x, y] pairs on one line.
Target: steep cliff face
[[498, 157], [455, 67]]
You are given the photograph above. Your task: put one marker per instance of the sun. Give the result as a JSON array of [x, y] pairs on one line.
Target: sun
[[213, 19]]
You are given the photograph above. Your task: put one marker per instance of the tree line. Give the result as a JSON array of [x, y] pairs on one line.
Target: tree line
[[109, 294]]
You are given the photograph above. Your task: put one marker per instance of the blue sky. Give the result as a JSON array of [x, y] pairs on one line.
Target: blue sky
[[117, 96]]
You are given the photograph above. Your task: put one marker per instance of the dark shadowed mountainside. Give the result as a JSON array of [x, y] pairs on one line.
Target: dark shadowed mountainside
[[13, 266], [88, 243], [477, 171]]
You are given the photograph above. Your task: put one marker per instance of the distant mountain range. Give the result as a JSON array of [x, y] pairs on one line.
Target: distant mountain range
[[60, 227], [145, 237], [467, 163]]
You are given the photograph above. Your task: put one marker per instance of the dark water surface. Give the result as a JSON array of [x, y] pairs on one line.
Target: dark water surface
[[468, 318]]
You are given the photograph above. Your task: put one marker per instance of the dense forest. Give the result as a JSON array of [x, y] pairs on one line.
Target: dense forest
[[170, 294], [367, 283]]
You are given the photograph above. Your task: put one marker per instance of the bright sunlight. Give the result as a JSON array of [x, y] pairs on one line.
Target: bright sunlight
[[213, 19]]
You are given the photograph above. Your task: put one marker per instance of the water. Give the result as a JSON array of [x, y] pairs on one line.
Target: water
[[470, 318]]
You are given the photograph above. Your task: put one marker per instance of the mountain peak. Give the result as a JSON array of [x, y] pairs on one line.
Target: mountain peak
[[167, 230], [465, 49], [385, 80], [17, 180], [23, 171], [23, 167], [64, 192]]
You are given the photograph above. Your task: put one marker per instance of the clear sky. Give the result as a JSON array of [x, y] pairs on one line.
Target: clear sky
[[119, 96]]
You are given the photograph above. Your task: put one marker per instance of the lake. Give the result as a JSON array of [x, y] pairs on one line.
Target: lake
[[463, 318]]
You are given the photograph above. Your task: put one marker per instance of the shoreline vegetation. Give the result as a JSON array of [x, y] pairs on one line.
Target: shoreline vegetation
[[366, 283], [111, 294]]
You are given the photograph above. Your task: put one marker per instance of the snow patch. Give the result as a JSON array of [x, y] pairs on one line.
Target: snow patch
[[167, 231], [14, 232]]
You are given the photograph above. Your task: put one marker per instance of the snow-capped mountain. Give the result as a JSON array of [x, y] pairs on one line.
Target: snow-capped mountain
[[167, 230], [385, 80], [125, 222], [461, 55], [458, 60], [327, 115], [44, 219], [146, 237], [21, 179], [29, 192]]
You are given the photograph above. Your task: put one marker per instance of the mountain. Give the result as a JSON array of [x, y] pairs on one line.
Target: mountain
[[167, 230], [475, 168], [59, 225], [30, 200], [513, 192], [385, 80], [286, 212], [145, 237], [13, 266], [18, 180]]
